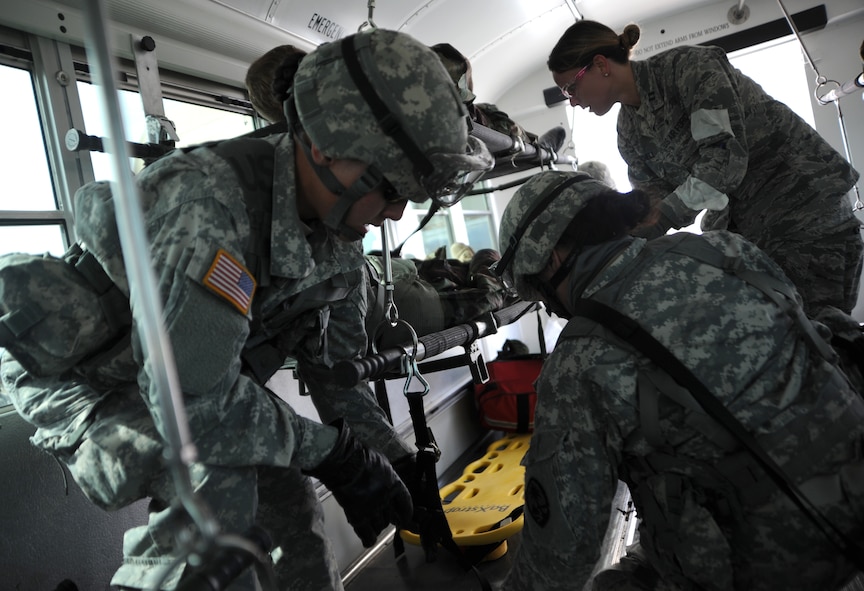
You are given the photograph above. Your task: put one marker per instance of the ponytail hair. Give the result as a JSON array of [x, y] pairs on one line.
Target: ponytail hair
[[270, 78], [585, 39]]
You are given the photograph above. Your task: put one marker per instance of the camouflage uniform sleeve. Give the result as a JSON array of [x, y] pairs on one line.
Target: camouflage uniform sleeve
[[673, 213], [717, 126], [586, 394], [345, 339], [706, 91], [196, 248]]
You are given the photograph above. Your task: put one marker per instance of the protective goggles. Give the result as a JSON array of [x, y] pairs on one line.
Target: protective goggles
[[444, 177]]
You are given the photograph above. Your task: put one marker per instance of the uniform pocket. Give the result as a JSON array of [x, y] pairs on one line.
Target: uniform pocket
[[545, 485]]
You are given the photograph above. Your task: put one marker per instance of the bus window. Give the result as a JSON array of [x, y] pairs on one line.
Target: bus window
[[33, 239], [194, 124], [478, 222], [26, 190], [469, 221], [133, 122], [197, 124]]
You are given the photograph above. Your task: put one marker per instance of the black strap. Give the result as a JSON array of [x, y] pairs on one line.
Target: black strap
[[435, 529], [541, 336], [253, 161], [523, 413], [630, 331], [433, 209]]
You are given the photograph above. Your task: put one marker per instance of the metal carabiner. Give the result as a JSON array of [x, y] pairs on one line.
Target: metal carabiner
[[414, 372], [409, 365]]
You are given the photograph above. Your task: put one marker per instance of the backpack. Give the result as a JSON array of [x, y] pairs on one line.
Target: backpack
[[58, 312], [433, 294], [506, 402]]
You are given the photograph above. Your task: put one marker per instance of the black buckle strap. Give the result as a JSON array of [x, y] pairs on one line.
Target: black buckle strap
[[386, 120]]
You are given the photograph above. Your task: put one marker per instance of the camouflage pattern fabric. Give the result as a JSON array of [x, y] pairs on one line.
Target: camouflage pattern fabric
[[196, 218], [589, 432], [416, 85], [708, 137]]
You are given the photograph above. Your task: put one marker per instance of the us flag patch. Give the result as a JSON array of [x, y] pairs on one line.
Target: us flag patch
[[229, 279]]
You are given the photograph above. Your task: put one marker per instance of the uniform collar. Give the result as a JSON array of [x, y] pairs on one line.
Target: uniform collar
[[290, 253], [598, 266], [647, 86]]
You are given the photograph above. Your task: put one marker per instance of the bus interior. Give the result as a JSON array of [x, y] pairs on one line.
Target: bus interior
[[177, 70]]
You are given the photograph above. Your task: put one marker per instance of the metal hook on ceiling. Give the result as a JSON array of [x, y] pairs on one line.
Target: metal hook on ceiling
[[738, 14], [368, 23]]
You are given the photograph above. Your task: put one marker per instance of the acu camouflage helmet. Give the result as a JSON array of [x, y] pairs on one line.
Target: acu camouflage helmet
[[535, 220], [383, 98]]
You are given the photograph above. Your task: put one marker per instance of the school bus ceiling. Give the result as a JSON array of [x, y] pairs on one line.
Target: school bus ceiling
[[505, 44]]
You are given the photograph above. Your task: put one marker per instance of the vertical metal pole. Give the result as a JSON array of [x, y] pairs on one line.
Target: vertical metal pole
[[145, 298], [819, 81]]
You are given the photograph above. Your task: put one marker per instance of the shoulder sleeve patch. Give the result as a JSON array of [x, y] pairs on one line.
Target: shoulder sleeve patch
[[230, 280]]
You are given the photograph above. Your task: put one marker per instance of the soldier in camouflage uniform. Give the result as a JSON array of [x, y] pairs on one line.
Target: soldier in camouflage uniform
[[236, 304], [698, 134], [710, 518]]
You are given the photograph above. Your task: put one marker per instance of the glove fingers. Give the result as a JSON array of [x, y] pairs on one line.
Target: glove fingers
[[366, 533], [401, 510]]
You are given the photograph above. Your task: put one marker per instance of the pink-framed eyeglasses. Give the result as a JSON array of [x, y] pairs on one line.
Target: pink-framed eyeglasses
[[567, 89]]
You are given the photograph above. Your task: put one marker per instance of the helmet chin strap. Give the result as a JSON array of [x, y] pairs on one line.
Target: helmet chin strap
[[347, 196], [549, 289]]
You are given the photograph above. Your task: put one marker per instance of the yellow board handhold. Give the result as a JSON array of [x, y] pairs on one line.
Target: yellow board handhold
[[480, 503]]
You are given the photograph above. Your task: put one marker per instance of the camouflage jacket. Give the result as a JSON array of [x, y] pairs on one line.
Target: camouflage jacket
[[706, 136], [588, 418], [199, 228]]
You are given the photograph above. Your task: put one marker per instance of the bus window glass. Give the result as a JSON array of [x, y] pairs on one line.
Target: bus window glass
[[26, 179], [194, 124], [475, 202], [134, 125], [33, 239], [480, 232], [437, 233], [479, 227], [197, 124]]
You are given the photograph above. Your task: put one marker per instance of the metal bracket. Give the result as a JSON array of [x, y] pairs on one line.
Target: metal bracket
[[159, 128], [475, 362]]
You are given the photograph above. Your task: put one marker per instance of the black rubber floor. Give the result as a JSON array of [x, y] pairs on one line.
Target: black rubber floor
[[412, 572]]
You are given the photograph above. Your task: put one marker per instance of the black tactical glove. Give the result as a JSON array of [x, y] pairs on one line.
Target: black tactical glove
[[365, 485], [406, 469]]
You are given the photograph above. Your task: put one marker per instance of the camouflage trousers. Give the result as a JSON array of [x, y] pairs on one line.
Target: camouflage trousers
[[287, 508], [825, 270], [772, 546], [119, 461]]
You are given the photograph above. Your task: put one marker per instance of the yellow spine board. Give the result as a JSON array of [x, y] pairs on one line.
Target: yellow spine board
[[478, 503]]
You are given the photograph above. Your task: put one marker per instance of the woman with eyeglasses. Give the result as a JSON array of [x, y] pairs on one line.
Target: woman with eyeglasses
[[697, 134]]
